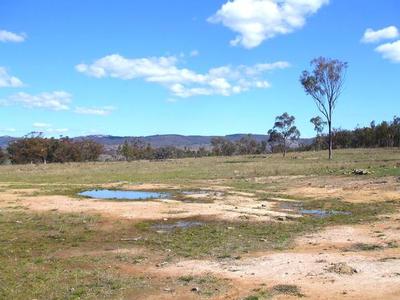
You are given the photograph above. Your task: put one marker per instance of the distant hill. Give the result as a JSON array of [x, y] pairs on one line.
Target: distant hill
[[5, 140], [190, 141]]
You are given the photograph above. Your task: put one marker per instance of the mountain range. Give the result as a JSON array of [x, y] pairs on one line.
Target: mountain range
[[180, 141]]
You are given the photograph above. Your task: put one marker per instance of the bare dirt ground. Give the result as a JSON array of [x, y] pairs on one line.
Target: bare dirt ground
[[329, 264], [307, 265]]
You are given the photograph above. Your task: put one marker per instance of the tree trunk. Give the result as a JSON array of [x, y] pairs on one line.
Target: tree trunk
[[330, 140], [284, 148]]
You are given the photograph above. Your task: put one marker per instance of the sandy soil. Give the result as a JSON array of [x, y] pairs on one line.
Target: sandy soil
[[230, 206], [307, 265]]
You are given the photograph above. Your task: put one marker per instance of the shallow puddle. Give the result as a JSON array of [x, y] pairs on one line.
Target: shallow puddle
[[323, 213], [296, 207], [123, 195]]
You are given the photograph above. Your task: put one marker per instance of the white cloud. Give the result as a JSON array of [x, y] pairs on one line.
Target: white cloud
[[7, 80], [98, 111], [390, 51], [41, 125], [259, 20], [182, 82], [58, 100], [7, 36], [372, 36]]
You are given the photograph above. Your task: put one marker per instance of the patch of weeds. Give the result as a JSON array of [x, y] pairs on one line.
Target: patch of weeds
[[126, 258], [238, 161], [259, 294], [206, 285], [217, 239], [186, 278], [280, 289], [29, 269], [287, 289], [364, 247], [354, 212], [393, 244]]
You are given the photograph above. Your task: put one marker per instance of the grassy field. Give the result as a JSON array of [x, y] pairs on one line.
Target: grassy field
[[33, 259], [379, 161]]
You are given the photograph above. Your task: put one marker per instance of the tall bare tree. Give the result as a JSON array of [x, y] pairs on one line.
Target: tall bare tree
[[325, 85], [283, 131]]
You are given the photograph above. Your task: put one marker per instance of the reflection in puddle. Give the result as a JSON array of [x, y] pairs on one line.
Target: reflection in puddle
[[297, 207], [323, 213], [123, 195]]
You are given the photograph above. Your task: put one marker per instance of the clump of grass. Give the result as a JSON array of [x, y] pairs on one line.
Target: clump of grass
[[364, 247], [206, 285], [280, 289], [287, 289], [186, 278]]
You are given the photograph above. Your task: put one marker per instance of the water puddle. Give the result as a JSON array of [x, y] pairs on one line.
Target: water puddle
[[176, 225], [297, 208], [323, 213], [123, 195]]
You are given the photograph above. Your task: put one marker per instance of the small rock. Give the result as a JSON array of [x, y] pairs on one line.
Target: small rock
[[361, 172], [161, 264], [195, 289]]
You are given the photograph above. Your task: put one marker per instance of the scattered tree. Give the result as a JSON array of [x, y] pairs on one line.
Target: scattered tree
[[283, 131], [222, 147], [325, 85], [319, 125], [3, 156]]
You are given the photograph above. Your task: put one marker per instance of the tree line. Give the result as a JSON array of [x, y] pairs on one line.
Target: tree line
[[136, 150], [34, 148], [384, 134]]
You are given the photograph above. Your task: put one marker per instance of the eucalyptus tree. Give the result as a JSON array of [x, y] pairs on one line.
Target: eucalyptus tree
[[283, 131], [325, 85], [319, 125]]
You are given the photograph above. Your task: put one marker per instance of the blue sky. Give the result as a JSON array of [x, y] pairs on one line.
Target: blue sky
[[189, 67]]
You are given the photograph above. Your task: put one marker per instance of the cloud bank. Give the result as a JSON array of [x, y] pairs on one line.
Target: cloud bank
[[57, 100], [182, 82]]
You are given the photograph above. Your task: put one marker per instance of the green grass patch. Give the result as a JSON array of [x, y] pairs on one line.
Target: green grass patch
[[220, 239], [29, 268]]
